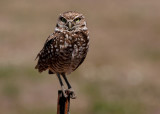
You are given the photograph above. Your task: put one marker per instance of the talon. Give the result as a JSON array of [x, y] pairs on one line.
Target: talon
[[64, 93], [72, 93]]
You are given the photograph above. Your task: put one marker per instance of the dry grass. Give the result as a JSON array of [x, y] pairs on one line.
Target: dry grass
[[119, 76]]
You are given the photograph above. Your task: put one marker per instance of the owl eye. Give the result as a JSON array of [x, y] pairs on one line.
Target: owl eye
[[63, 19], [77, 19]]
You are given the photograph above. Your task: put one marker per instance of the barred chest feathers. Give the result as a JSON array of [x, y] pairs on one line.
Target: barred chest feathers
[[71, 49]]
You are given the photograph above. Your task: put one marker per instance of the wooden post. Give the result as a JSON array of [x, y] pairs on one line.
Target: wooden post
[[63, 103]]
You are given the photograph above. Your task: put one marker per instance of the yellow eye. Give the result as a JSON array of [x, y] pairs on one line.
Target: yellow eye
[[77, 19]]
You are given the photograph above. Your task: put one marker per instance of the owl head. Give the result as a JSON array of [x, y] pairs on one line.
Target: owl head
[[71, 21]]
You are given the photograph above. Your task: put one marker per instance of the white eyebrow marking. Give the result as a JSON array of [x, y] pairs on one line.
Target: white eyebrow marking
[[78, 16]]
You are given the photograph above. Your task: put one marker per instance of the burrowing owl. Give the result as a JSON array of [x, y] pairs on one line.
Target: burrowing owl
[[66, 48]]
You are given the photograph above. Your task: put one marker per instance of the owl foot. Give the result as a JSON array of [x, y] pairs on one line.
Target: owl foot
[[72, 93], [64, 93]]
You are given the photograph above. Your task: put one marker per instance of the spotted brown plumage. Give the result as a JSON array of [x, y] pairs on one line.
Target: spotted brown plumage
[[65, 49]]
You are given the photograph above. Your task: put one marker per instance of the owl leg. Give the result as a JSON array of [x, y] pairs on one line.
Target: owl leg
[[70, 90], [62, 86]]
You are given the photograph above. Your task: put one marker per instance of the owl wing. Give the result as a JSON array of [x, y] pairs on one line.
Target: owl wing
[[80, 62], [82, 49], [46, 54]]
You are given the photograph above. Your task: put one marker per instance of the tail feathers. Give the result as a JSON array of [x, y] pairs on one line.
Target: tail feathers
[[50, 72], [41, 68]]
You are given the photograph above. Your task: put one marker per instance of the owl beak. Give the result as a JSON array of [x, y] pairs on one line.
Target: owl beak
[[69, 25]]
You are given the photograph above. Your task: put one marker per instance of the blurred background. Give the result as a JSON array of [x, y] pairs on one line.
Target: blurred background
[[120, 75]]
